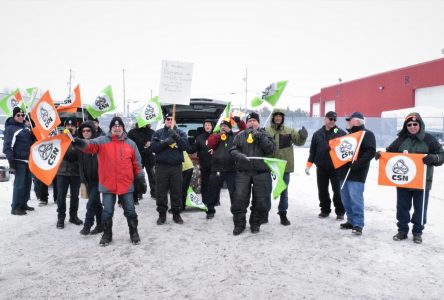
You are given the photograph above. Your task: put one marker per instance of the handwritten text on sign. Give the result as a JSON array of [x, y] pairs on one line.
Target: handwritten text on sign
[[175, 82]]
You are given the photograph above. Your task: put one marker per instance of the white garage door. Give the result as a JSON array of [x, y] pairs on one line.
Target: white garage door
[[329, 106], [316, 110], [431, 96]]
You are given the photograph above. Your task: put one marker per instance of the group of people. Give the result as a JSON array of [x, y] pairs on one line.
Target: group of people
[[112, 167]]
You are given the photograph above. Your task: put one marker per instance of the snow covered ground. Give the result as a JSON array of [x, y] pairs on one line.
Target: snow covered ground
[[201, 259]]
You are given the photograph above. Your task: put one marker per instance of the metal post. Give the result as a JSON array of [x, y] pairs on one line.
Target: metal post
[[246, 88], [70, 79], [124, 100]]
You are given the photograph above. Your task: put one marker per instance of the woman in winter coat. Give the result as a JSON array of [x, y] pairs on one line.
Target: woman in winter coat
[[413, 139]]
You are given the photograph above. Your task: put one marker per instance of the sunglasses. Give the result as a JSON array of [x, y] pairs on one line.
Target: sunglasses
[[412, 124], [20, 115], [86, 130], [169, 119], [332, 119]]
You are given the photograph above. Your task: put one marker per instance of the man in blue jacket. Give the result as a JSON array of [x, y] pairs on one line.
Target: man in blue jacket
[[169, 143], [17, 145]]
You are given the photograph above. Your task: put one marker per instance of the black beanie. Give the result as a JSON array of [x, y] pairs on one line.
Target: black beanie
[[227, 122], [71, 121], [116, 121], [253, 115], [16, 110]]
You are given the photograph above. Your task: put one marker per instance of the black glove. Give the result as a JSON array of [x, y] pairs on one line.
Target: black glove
[[168, 141], [243, 158], [236, 119], [378, 155], [79, 143], [258, 134], [140, 184], [303, 133], [430, 159], [173, 133], [11, 166]]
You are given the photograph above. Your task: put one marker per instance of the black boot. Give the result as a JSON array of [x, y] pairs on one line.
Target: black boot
[[177, 218], [107, 236], [85, 230], [60, 222], [97, 229], [75, 220], [265, 219], [134, 235], [162, 218], [284, 220]]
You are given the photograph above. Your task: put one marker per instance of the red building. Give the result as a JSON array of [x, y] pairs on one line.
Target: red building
[[413, 86]]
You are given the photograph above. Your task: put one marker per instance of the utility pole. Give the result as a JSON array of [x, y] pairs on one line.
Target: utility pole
[[246, 87], [124, 100], [69, 84]]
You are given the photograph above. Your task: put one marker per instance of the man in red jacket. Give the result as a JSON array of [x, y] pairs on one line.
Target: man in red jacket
[[120, 174]]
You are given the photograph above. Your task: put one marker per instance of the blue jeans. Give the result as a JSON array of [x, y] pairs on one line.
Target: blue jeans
[[404, 200], [94, 206], [63, 182], [22, 185], [352, 195], [109, 200], [283, 201]]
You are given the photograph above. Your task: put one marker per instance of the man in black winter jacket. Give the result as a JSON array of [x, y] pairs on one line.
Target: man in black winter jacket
[[253, 175], [89, 175], [68, 177], [205, 158], [352, 193], [325, 171], [142, 137], [169, 143]]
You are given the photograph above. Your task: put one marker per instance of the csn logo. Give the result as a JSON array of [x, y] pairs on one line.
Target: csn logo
[[49, 153], [346, 149], [149, 113], [46, 118], [101, 103], [400, 171]]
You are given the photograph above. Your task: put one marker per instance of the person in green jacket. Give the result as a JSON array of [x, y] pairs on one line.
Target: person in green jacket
[[284, 137]]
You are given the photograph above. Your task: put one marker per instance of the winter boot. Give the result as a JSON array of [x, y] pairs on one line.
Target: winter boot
[[238, 229], [417, 239], [60, 222], [97, 229], [177, 218], [107, 236], [265, 219], [75, 220], [162, 218], [134, 235], [400, 236], [346, 225], [85, 230], [254, 228], [284, 220]]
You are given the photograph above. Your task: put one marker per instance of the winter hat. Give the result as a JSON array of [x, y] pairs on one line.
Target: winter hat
[[70, 121], [208, 121], [167, 115], [252, 115], [116, 121], [355, 115], [87, 124], [16, 110], [226, 121], [331, 114]]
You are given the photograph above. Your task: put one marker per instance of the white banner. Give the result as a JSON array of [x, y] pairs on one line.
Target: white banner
[[175, 82]]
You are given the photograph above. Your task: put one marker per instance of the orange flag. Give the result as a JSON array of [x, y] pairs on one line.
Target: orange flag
[[343, 148], [72, 103], [47, 155], [401, 170], [45, 117]]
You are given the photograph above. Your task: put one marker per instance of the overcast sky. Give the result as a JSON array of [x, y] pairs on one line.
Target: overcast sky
[[309, 43]]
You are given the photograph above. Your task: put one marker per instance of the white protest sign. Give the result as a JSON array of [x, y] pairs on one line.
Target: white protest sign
[[175, 82]]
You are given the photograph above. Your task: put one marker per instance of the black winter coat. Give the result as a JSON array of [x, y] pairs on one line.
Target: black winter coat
[[165, 155], [319, 148], [263, 147], [18, 140], [140, 136], [222, 159], [88, 164], [367, 152], [200, 146]]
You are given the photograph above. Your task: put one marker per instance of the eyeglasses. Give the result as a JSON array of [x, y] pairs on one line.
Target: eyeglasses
[[332, 119], [86, 130], [20, 115], [169, 119], [412, 124]]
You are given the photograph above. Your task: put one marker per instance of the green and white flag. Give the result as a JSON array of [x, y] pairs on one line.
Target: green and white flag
[[149, 113], [27, 105], [271, 94], [8, 103], [103, 103], [277, 167], [225, 114], [193, 200]]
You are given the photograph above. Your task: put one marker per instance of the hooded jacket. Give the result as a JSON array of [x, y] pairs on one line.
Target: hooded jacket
[[422, 142], [200, 146], [88, 163], [18, 140], [284, 137], [70, 162], [140, 136]]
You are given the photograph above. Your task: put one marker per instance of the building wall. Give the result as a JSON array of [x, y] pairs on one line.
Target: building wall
[[386, 91]]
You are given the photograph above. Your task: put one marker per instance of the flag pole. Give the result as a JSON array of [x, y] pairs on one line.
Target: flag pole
[[354, 158], [424, 193]]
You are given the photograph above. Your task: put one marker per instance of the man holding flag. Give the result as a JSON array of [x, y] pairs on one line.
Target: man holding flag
[[413, 139], [352, 191], [253, 175], [17, 145]]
